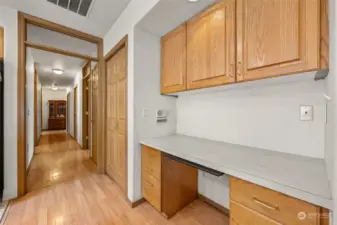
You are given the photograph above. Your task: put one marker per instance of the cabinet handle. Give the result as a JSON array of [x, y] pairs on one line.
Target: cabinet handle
[[265, 204], [148, 183], [239, 69]]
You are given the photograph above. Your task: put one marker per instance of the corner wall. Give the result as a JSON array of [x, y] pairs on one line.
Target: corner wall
[[124, 25], [9, 20]]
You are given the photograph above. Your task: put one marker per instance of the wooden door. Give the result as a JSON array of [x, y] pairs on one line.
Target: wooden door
[[75, 113], [2, 40], [94, 113], [173, 61], [277, 37], [36, 138], [68, 113], [116, 118], [86, 113], [211, 46]]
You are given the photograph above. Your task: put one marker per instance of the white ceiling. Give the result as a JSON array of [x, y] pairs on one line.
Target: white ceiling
[[46, 61], [168, 14], [101, 16]]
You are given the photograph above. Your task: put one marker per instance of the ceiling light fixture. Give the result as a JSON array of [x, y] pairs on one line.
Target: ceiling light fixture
[[193, 1], [54, 87], [58, 71]]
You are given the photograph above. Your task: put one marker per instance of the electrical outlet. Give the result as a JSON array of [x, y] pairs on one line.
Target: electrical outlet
[[306, 112]]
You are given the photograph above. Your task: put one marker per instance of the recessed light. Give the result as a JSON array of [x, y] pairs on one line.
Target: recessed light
[[58, 71]]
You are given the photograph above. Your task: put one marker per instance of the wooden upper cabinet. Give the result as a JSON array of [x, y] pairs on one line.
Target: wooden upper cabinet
[[277, 37], [173, 56], [1, 42], [211, 46]]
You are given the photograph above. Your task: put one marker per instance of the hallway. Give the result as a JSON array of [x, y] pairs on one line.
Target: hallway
[[64, 189]]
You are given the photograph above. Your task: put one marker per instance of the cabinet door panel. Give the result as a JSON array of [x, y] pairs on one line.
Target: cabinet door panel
[[173, 73], [211, 46], [277, 37]]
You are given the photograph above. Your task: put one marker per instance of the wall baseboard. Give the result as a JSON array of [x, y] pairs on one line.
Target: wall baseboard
[[136, 203], [213, 204]]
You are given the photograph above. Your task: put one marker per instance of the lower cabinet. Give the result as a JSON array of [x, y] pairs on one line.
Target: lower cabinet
[[251, 204], [167, 185]]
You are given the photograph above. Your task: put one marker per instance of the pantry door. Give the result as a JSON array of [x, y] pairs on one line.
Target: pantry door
[[116, 160]]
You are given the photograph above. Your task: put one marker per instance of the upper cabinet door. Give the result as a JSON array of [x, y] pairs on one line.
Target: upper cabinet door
[[211, 46], [277, 37], [173, 61]]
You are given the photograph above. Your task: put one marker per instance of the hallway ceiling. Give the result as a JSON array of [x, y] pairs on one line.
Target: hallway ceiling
[[46, 61], [101, 16]]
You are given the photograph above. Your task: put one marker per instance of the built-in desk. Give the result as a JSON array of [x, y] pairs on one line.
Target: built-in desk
[[296, 176]]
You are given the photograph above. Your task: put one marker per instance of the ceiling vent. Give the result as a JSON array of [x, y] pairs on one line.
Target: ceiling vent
[[80, 7]]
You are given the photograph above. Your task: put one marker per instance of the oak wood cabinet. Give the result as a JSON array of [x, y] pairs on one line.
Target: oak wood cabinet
[[2, 40], [244, 40], [173, 61], [277, 38], [57, 115], [211, 46], [253, 204], [167, 185]]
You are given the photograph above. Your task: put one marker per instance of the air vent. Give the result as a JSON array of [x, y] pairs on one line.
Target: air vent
[[80, 7]]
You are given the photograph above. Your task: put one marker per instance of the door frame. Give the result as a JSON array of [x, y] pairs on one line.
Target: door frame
[[85, 99], [23, 20], [123, 43], [68, 113], [75, 114]]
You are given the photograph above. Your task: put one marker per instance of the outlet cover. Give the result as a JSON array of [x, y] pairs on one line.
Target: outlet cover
[[306, 112]]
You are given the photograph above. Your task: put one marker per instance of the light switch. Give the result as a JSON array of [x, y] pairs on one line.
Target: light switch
[[145, 112], [306, 112]]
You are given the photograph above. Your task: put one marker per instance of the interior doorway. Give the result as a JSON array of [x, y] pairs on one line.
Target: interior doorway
[[75, 113]]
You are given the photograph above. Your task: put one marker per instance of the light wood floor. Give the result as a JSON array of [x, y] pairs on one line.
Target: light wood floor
[[74, 194]]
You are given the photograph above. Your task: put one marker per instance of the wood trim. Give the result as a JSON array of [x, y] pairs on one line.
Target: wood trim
[[85, 98], [102, 87], [75, 115], [136, 203], [41, 107], [35, 105], [2, 43], [59, 28], [21, 141], [59, 51], [68, 113], [213, 204], [100, 114]]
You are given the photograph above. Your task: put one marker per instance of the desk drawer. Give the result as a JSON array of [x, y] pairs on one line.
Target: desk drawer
[[277, 206], [151, 188], [151, 161]]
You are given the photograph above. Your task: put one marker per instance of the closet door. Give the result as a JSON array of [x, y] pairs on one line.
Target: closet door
[[211, 46], [173, 61], [277, 37], [116, 118]]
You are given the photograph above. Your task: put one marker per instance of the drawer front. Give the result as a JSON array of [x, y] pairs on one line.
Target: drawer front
[[275, 205], [151, 161], [240, 215], [151, 189]]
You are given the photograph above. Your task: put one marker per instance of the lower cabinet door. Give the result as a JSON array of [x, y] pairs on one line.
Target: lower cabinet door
[[151, 189], [240, 215]]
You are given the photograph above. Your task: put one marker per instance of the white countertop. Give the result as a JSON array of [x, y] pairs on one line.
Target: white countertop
[[297, 176]]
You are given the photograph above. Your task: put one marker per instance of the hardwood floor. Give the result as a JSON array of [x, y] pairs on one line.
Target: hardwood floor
[[74, 194]]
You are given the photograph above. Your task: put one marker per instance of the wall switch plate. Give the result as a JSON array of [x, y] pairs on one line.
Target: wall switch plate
[[145, 112], [306, 112]]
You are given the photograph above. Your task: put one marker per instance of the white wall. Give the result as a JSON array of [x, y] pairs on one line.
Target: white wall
[[331, 84], [70, 124], [49, 94], [30, 74], [263, 116], [124, 25], [8, 20], [79, 84], [147, 96]]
